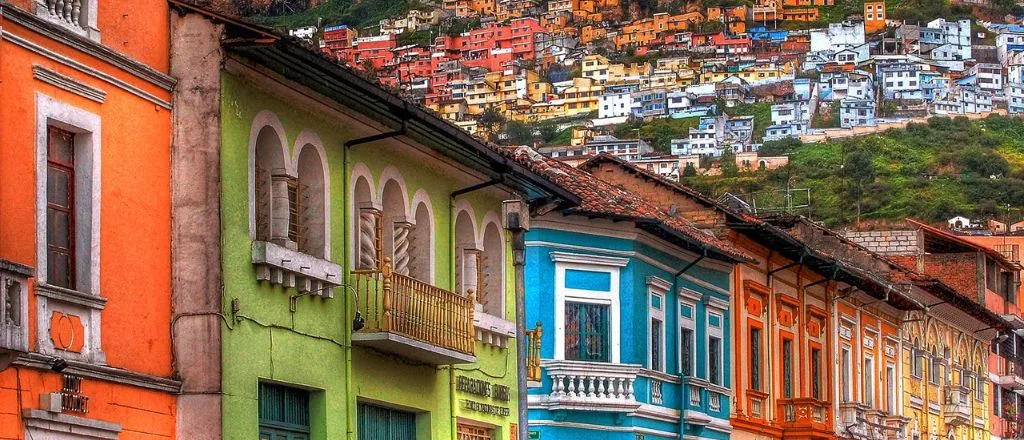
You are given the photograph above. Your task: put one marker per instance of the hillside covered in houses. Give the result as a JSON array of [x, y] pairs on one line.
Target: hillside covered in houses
[[745, 97]]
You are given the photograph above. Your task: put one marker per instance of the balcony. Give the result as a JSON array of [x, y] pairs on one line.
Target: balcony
[[413, 319], [591, 386], [957, 410], [13, 307], [806, 418], [853, 418]]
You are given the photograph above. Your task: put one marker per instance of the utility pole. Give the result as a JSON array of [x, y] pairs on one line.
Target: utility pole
[[517, 222]]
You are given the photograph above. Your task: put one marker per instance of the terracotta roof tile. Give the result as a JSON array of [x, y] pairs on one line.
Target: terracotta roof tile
[[600, 198]]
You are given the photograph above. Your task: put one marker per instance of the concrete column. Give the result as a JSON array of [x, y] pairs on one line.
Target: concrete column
[[196, 58]]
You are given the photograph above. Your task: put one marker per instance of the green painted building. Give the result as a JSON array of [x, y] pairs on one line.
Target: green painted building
[[342, 267]]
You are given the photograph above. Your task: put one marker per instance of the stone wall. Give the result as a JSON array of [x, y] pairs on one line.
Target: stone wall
[[888, 242]]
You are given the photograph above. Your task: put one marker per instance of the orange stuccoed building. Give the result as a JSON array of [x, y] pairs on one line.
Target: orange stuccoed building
[[85, 257]]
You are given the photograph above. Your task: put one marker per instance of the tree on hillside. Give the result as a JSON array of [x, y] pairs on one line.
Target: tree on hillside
[[728, 163], [518, 133], [689, 170], [858, 173], [490, 119]]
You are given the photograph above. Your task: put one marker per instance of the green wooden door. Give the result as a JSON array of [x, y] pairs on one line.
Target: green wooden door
[[380, 423]]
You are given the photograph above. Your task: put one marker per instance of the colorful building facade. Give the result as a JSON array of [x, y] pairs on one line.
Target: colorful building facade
[[85, 221], [366, 270], [636, 329]]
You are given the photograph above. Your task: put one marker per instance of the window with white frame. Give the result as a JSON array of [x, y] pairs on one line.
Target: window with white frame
[[68, 142], [869, 381], [687, 339], [68, 146], [587, 307], [890, 388], [846, 369], [715, 353], [656, 289]]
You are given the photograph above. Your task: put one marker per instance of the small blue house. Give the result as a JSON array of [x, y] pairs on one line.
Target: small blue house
[[634, 307]]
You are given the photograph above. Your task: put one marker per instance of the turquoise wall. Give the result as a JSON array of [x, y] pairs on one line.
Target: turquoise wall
[[634, 329]]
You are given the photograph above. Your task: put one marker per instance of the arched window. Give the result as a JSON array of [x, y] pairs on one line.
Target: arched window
[[467, 255], [367, 226], [493, 286], [312, 203], [396, 227], [420, 246], [273, 186]]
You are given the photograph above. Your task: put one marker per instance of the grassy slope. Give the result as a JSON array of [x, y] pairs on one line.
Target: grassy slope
[[930, 171], [357, 13]]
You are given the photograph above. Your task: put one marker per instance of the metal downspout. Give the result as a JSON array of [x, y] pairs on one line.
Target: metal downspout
[[351, 404]]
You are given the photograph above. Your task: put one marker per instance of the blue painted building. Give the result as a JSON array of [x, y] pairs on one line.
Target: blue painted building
[[634, 307]]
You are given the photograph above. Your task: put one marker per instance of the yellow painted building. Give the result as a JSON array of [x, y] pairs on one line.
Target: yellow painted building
[[751, 74], [946, 387]]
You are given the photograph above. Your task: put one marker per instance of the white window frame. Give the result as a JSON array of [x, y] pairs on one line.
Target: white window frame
[[846, 373], [891, 395], [716, 333], [688, 298], [86, 127], [593, 263], [868, 376], [657, 287], [84, 301]]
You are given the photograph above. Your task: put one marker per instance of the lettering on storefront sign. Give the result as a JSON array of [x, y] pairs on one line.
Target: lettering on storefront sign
[[482, 388], [533, 435], [485, 408]]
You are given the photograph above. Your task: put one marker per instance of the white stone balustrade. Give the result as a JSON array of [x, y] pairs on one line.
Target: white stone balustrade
[[69, 11], [595, 385]]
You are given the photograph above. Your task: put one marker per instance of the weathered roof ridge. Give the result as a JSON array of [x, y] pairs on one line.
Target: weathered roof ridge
[[602, 199]]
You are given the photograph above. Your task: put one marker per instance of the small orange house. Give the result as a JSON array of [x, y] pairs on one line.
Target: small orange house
[[874, 17], [85, 256]]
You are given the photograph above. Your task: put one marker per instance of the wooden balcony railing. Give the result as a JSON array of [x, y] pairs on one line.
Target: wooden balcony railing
[[533, 353], [395, 303]]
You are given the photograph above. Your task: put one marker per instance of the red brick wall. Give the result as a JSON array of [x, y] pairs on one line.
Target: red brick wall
[[960, 271]]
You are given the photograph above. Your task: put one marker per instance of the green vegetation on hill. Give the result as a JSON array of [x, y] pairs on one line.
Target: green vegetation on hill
[[356, 13], [929, 171]]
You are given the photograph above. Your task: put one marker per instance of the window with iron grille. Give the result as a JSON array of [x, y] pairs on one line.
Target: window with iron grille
[[715, 360], [60, 206], [587, 332], [656, 345], [284, 412], [473, 432], [686, 346], [787, 368], [755, 359], [816, 373], [381, 423]]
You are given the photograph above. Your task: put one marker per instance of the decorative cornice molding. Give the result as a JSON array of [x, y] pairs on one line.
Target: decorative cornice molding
[[71, 296], [74, 64], [69, 424], [661, 284], [597, 260], [68, 83], [89, 47], [102, 372]]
